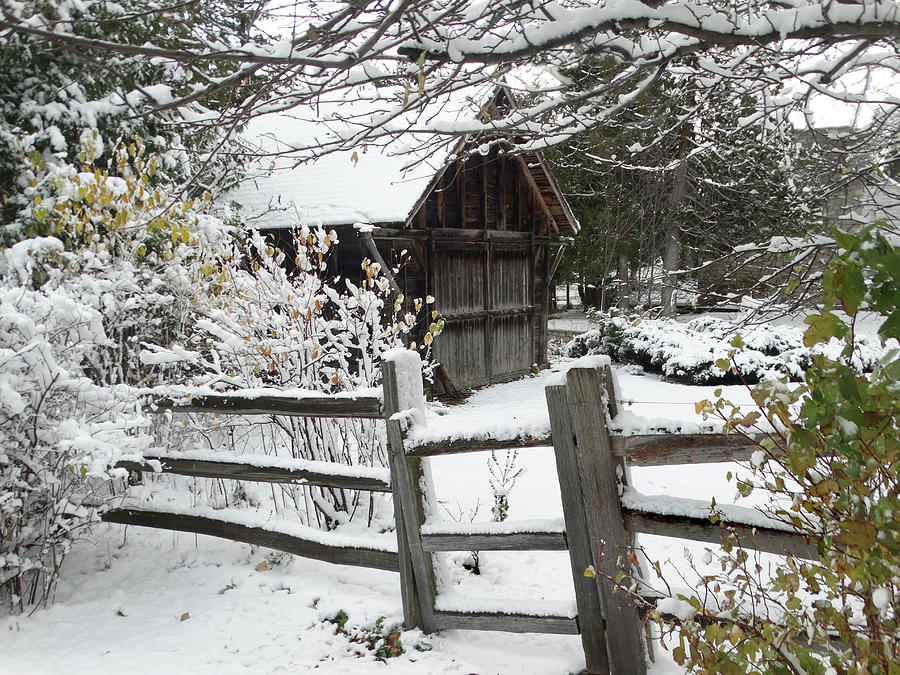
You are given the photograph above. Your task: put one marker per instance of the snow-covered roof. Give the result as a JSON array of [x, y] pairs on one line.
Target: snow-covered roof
[[354, 182], [364, 185]]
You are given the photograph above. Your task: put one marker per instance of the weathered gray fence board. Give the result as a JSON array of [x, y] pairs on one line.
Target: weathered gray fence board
[[765, 539], [515, 541], [406, 476], [266, 474], [665, 449], [581, 555], [314, 406], [511, 623], [600, 491], [361, 557], [476, 445]]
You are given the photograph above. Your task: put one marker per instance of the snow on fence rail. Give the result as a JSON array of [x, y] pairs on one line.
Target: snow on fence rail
[[283, 536], [309, 543], [264, 468]]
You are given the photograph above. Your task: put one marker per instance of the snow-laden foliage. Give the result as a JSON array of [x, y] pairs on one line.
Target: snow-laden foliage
[[282, 322], [50, 95], [73, 302], [828, 468], [119, 289], [415, 52], [693, 352]]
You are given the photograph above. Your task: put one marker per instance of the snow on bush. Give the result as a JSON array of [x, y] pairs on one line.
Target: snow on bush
[[61, 430], [94, 265], [688, 352], [276, 322], [111, 289]]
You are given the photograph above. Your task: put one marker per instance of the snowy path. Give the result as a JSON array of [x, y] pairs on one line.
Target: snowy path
[[242, 620]]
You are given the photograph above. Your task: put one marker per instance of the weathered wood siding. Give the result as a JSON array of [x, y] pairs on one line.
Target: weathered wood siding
[[489, 288]]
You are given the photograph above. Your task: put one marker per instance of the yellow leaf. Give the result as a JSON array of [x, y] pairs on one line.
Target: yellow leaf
[[185, 616], [262, 567]]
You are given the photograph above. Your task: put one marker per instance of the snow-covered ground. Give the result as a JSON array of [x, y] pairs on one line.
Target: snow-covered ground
[[148, 601]]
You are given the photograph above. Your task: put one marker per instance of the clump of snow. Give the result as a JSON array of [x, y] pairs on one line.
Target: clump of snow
[[881, 598], [676, 607]]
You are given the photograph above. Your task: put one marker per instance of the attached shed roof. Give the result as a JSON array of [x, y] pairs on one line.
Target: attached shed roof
[[370, 184]]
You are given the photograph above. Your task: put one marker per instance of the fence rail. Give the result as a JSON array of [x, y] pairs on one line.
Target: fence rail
[[243, 470], [453, 447], [366, 407], [512, 541], [510, 623], [185, 522], [663, 449]]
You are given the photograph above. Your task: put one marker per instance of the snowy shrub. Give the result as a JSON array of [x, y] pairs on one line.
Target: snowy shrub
[[831, 473], [61, 431], [277, 322], [692, 352], [95, 265]]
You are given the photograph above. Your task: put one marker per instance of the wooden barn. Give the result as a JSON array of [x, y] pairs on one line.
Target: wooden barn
[[481, 234]]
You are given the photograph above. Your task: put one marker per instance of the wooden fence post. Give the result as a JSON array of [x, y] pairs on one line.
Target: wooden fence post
[[581, 555], [417, 585], [603, 510]]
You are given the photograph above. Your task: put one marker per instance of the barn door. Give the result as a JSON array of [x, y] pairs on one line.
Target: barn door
[[485, 294]]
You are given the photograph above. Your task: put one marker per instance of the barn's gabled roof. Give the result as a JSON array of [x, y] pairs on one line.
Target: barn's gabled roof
[[382, 184]]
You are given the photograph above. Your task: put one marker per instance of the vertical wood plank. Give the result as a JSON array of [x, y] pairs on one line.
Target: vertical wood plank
[[502, 195], [612, 404], [461, 182], [487, 303], [441, 199], [417, 585], [581, 552], [584, 390]]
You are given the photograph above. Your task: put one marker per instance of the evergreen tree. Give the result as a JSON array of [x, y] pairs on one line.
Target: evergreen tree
[[652, 201], [51, 93]]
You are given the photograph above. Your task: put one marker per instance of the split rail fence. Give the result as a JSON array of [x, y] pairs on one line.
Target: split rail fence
[[591, 462]]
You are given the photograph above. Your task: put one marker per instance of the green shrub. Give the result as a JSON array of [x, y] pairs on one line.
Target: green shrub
[[831, 472]]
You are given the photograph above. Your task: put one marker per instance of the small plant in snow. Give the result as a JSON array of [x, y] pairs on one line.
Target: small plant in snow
[[503, 480], [471, 562], [384, 643]]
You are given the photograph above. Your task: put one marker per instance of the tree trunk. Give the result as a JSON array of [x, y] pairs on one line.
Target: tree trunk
[[672, 244], [624, 286], [670, 259]]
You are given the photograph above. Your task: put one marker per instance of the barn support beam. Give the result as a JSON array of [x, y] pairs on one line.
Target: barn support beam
[[385, 270]]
